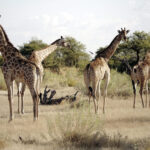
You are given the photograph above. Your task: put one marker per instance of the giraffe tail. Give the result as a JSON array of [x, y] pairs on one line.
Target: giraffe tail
[[90, 90]]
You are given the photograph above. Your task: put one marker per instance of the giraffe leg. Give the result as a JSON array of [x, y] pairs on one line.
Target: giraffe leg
[[107, 79], [134, 92], [18, 94], [98, 95], [22, 97], [35, 101], [94, 90], [146, 93], [10, 101], [141, 92]]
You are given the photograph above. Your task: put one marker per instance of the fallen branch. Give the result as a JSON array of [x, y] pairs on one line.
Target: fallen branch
[[45, 100]]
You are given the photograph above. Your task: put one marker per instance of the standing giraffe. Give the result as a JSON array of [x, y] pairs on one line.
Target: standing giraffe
[[98, 70], [141, 74], [135, 78], [16, 67], [37, 57]]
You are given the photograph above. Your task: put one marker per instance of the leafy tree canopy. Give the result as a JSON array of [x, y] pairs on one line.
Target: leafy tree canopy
[[73, 56], [33, 44]]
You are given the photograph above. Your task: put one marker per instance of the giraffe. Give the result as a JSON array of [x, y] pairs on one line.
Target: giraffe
[[98, 70], [16, 67], [37, 57], [134, 78], [140, 74]]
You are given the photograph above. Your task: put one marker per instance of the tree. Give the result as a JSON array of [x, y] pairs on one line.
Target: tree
[[34, 44], [73, 56]]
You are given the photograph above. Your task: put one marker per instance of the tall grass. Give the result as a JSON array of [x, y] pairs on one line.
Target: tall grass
[[2, 82], [120, 83], [70, 77]]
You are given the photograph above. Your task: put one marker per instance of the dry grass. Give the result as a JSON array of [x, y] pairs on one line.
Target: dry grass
[[72, 77], [76, 126]]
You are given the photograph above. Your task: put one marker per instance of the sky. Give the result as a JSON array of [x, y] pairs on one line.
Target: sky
[[92, 22]]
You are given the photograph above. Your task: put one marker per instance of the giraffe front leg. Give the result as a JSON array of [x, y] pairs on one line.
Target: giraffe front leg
[[134, 92], [107, 79], [10, 102]]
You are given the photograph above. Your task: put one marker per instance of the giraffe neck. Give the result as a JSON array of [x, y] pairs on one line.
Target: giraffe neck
[[42, 54], [9, 52], [109, 51]]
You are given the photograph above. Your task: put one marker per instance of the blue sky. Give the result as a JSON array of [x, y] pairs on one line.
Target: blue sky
[[92, 22]]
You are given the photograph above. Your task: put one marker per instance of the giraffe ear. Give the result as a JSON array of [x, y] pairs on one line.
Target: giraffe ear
[[128, 31], [119, 31]]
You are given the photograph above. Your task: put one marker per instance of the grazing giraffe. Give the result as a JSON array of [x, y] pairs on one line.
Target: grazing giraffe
[[141, 74], [98, 70], [16, 67], [37, 57]]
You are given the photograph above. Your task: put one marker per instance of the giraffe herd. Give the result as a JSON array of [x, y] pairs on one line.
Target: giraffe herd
[[30, 71]]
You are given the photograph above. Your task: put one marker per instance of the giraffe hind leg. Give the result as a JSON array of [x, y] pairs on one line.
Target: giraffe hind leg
[[107, 79], [141, 94]]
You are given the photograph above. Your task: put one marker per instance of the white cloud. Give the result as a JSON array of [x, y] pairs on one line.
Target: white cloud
[[93, 26]]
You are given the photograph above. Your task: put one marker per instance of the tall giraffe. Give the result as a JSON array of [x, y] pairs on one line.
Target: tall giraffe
[[141, 74], [37, 57], [16, 67], [98, 70]]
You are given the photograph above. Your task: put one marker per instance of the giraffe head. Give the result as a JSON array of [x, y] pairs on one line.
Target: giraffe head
[[3, 38], [61, 42], [123, 33]]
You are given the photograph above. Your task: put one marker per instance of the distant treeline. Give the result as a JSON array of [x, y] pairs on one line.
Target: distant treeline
[[133, 50]]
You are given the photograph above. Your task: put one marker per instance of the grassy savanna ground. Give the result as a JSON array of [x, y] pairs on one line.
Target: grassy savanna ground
[[75, 126]]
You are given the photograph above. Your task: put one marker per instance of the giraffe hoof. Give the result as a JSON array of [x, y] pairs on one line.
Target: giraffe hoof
[[35, 119], [10, 119], [22, 111]]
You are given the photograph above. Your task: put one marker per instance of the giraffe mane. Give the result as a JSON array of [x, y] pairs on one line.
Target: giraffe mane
[[101, 53], [6, 37], [55, 42]]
